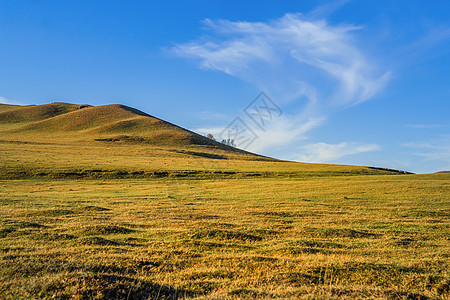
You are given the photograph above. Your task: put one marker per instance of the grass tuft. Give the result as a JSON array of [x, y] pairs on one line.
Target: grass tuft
[[106, 229], [225, 235]]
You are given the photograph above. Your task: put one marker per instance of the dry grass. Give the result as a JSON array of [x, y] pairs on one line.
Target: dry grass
[[125, 219], [359, 236]]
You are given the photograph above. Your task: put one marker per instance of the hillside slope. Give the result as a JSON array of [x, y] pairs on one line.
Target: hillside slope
[[112, 123], [63, 139], [6, 107], [31, 113]]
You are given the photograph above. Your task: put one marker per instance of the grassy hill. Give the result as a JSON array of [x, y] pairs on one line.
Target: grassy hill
[[119, 141], [86, 122], [6, 107], [32, 113], [109, 202]]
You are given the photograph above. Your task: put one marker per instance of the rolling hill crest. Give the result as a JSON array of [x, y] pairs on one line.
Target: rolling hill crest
[[113, 123]]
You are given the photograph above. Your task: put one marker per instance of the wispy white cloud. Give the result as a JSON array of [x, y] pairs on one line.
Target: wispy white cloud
[[322, 152], [305, 63], [284, 132], [423, 49], [435, 150], [7, 101], [4, 100], [327, 9], [423, 126], [286, 55]]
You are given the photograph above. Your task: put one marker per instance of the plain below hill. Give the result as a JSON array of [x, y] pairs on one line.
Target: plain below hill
[[71, 140]]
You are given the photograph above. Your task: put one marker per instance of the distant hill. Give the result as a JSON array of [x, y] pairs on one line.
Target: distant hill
[[6, 107], [29, 113], [63, 140], [107, 123]]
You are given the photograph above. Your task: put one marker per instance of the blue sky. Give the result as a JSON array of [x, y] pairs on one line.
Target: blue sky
[[356, 82]]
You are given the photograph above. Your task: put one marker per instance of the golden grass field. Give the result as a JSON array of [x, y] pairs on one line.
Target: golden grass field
[[101, 209]]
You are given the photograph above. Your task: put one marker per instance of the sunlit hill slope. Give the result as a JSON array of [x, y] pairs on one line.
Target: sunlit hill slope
[[70, 140]]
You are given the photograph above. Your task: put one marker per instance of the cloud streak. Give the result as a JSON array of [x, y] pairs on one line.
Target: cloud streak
[[310, 66], [423, 126], [4, 101], [322, 152], [8, 101], [437, 150], [291, 45]]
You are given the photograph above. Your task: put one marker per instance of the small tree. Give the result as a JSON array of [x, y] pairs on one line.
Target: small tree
[[229, 142], [210, 136]]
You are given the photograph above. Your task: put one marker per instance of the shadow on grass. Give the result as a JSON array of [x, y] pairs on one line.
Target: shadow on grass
[[17, 227], [326, 232], [225, 235], [106, 229], [73, 280], [122, 287]]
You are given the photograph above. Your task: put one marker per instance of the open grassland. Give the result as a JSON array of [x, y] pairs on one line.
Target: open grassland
[[324, 237], [124, 160], [111, 203]]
